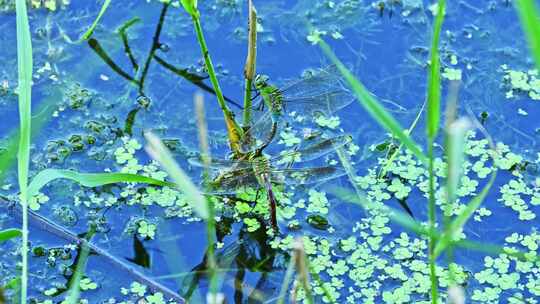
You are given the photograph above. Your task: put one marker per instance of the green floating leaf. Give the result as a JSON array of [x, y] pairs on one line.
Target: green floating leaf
[[157, 150], [91, 29], [373, 106], [89, 179], [530, 21], [9, 234]]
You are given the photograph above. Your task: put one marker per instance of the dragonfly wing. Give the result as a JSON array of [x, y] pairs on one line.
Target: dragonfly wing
[[229, 182], [307, 175], [259, 129], [314, 83], [327, 102], [217, 163], [313, 151]]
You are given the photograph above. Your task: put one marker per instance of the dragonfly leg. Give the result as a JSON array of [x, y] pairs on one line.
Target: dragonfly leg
[[273, 216], [257, 194], [255, 96]]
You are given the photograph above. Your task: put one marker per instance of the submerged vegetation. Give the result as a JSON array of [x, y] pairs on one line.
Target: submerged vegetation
[[300, 198]]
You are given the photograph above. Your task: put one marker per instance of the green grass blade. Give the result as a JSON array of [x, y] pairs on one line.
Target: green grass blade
[[460, 220], [91, 29], [74, 290], [191, 7], [9, 234], [410, 224], [493, 249], [287, 279], [374, 107], [24, 63], [432, 128], [233, 129], [529, 16], [395, 215], [390, 159], [9, 153], [157, 150], [434, 79], [89, 179], [7, 157]]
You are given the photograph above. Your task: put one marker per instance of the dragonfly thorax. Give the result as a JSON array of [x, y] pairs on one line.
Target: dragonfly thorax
[[276, 102]]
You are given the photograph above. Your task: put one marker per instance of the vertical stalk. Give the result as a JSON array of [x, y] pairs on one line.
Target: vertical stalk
[[24, 63], [302, 268], [454, 142], [210, 224], [432, 128], [249, 68], [432, 221], [233, 129]]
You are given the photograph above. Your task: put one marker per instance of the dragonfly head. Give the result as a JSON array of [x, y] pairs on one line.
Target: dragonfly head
[[261, 81]]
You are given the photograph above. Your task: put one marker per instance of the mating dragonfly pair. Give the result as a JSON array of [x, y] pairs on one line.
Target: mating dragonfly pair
[[318, 92]]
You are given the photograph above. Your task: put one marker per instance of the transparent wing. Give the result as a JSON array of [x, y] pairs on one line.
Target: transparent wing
[[322, 90], [217, 163], [328, 102], [231, 181], [245, 177], [312, 151], [260, 129], [306, 176], [308, 153], [313, 83]]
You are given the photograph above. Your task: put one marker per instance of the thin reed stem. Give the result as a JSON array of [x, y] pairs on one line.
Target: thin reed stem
[[210, 223], [232, 127], [249, 68], [24, 63], [432, 220]]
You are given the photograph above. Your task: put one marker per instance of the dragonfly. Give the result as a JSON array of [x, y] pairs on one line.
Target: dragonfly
[[260, 171], [317, 92]]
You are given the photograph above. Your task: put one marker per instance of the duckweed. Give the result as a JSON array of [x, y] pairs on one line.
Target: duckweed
[[374, 253], [525, 82]]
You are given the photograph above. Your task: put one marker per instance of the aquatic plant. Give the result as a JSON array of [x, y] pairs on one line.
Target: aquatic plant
[[370, 261], [454, 148], [24, 63], [529, 15], [233, 129], [29, 190]]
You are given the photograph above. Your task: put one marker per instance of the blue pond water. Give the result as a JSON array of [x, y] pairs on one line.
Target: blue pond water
[[86, 111]]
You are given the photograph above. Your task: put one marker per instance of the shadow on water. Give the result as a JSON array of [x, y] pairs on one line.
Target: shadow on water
[[249, 252], [138, 75]]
